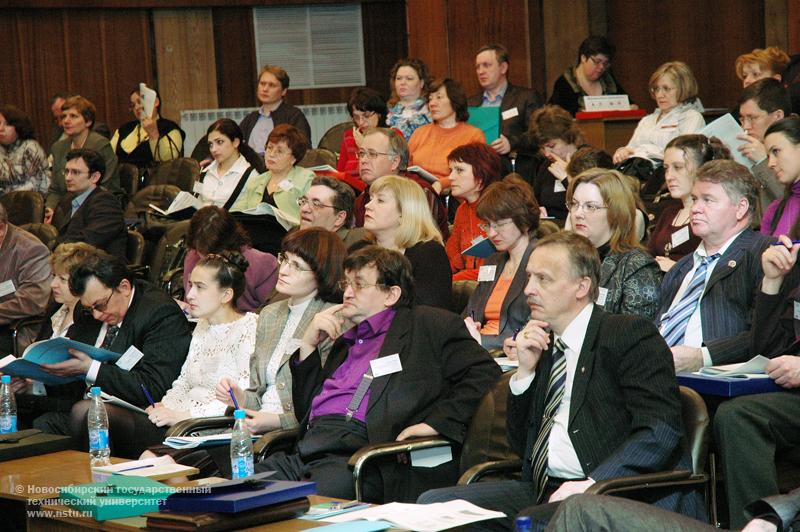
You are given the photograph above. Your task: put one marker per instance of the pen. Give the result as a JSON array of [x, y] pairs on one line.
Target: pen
[[135, 468], [516, 332], [472, 314], [235, 402], [147, 395], [345, 505], [781, 243]]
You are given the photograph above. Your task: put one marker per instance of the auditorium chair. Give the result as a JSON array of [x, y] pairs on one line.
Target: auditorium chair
[[318, 157], [23, 206], [332, 139], [44, 232], [181, 172]]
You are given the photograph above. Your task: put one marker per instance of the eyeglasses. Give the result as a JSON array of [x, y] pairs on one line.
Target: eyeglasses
[[372, 154], [291, 264], [357, 286], [71, 172], [494, 226], [315, 204], [362, 116], [662, 88], [277, 150], [99, 307], [589, 207], [600, 62], [752, 119]]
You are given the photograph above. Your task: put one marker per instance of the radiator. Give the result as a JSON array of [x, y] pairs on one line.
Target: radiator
[[195, 122]]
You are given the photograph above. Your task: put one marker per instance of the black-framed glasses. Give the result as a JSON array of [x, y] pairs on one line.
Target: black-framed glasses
[[316, 204], [99, 307], [357, 286], [292, 264]]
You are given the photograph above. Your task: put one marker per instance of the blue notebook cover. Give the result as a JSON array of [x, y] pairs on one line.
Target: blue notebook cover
[[727, 386], [481, 248], [239, 495]]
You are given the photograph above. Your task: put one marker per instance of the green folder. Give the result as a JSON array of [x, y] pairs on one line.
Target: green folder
[[120, 496], [487, 119]]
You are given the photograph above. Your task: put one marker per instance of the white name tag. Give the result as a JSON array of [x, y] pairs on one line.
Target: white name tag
[[602, 295], [680, 236], [386, 365], [486, 273], [432, 457], [198, 187], [286, 185], [559, 186], [7, 287], [797, 310], [510, 113], [129, 358]]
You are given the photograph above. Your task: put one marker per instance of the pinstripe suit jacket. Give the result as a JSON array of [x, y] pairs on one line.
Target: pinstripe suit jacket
[[271, 322], [726, 306], [625, 411]]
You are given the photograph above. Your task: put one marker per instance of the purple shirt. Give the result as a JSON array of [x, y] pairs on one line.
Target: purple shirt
[[365, 341], [788, 218]]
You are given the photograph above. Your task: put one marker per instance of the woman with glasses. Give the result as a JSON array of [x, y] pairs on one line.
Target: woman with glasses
[[603, 208], [408, 104], [367, 109], [674, 89], [498, 307], [213, 230], [590, 76], [399, 218], [23, 163]]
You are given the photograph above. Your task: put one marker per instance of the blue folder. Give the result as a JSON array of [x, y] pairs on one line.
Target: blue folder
[[727, 386], [239, 495]]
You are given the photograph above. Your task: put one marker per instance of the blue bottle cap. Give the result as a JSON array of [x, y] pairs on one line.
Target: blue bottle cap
[[239, 414], [523, 522], [94, 390], [6, 379]]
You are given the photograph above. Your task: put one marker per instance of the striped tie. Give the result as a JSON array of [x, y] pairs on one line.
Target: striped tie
[[555, 391], [673, 328]]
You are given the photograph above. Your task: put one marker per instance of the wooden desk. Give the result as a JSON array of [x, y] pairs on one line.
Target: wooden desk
[[608, 134]]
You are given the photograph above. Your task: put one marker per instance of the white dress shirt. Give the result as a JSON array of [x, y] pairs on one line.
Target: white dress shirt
[[218, 188]]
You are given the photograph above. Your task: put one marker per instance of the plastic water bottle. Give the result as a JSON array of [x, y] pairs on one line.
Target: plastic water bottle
[[98, 431], [8, 407], [523, 524], [241, 448]]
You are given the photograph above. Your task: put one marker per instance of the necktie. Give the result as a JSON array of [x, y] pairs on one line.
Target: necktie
[[673, 328], [111, 333], [555, 391]]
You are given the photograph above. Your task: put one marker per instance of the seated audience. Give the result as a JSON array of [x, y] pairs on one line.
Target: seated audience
[[622, 416], [672, 237], [762, 104], [222, 343], [89, 213], [134, 314], [398, 218], [147, 140], [761, 63], [273, 84], [558, 137], [385, 152], [408, 105], [212, 231], [674, 89], [228, 181], [591, 76], [329, 204], [23, 163], [368, 109], [707, 297], [25, 270], [77, 118], [782, 141], [444, 375], [473, 167], [603, 209], [498, 308], [430, 144]]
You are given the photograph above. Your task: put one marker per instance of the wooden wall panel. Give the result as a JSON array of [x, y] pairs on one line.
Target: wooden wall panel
[[235, 56], [428, 34], [566, 25], [385, 41]]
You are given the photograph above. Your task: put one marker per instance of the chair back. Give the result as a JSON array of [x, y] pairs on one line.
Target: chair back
[[169, 251], [23, 206], [159, 195], [462, 291], [128, 178], [332, 139], [318, 157], [696, 425], [134, 250], [181, 172], [44, 232]]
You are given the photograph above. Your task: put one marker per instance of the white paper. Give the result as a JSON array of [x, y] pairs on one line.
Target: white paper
[[197, 187], [680, 236], [506, 362], [756, 366], [148, 96], [7, 287], [129, 358], [421, 517], [558, 186], [424, 173], [510, 113], [725, 128], [182, 201], [386, 365], [797, 310], [149, 467], [602, 295], [286, 220], [323, 168], [487, 272], [431, 457], [607, 102]]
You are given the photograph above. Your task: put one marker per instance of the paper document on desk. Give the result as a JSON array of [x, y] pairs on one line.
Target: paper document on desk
[[726, 128], [158, 468], [421, 517], [756, 367]]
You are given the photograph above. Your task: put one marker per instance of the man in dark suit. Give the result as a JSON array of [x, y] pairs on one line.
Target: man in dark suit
[[707, 297], [141, 322], [89, 213], [424, 376], [594, 397], [516, 103]]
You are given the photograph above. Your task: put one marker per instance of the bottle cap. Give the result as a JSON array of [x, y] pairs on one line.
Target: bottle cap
[[239, 414], [523, 522], [6, 379], [94, 390]]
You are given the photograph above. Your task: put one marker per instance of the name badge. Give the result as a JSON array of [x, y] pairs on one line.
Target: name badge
[[559, 187], [797, 310], [386, 365], [602, 295], [286, 185], [129, 358], [680, 236], [197, 188], [487, 273], [7, 287], [510, 113]]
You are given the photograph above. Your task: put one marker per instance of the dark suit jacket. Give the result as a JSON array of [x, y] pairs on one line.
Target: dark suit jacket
[[525, 101], [445, 374], [773, 318], [99, 221], [726, 306], [433, 280], [625, 411], [157, 327], [514, 312], [284, 114]]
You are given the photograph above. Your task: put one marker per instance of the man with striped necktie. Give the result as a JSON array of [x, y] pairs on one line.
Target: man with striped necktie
[[707, 298], [594, 397]]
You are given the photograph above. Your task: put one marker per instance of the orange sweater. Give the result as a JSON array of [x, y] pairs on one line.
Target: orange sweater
[[430, 145], [465, 230]]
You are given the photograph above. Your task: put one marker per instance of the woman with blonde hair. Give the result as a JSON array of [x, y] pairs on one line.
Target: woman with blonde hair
[[399, 218], [603, 208], [674, 89]]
